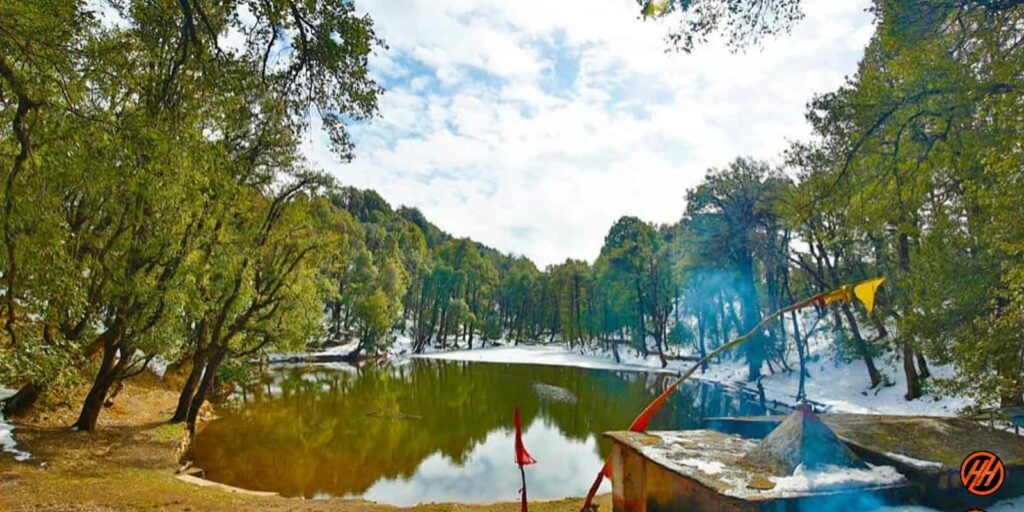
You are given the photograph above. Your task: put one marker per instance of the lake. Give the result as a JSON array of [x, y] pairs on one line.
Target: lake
[[435, 430]]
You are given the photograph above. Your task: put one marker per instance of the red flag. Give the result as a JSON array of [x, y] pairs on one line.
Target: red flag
[[523, 457], [639, 425]]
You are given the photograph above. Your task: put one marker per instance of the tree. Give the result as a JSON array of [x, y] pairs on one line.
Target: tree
[[265, 294], [744, 22], [140, 140], [37, 43], [740, 199], [922, 135], [635, 264]]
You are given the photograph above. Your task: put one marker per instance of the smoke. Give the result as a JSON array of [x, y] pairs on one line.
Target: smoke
[[715, 296], [844, 502]]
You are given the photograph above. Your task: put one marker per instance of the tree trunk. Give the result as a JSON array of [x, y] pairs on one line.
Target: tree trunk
[[701, 320], [22, 400], [922, 365], [913, 382], [800, 351], [661, 351], [204, 386], [755, 348], [198, 362], [336, 318], [188, 389], [442, 328], [105, 377], [862, 347], [721, 327], [640, 314]]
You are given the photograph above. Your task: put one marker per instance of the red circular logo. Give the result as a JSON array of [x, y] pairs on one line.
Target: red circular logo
[[982, 473]]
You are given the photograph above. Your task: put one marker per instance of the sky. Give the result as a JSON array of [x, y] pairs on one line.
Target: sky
[[531, 125]]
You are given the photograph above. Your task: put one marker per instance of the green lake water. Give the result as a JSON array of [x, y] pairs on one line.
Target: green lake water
[[435, 430]]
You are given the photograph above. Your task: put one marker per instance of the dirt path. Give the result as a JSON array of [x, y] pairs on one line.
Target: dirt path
[[128, 464]]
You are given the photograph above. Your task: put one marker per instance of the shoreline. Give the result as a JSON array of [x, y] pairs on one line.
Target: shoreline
[[130, 463], [839, 387]]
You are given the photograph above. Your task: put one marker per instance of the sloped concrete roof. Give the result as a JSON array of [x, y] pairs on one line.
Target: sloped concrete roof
[[803, 439]]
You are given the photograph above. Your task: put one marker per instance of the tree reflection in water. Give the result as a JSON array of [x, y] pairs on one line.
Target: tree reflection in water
[[434, 430]]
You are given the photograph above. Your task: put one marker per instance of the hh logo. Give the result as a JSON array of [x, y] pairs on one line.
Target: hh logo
[[982, 473]]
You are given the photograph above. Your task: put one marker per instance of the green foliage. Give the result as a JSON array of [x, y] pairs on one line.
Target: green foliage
[[155, 203], [908, 179], [234, 373], [743, 22], [376, 316]]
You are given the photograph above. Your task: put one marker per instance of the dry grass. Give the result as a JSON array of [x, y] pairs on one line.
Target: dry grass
[[128, 464]]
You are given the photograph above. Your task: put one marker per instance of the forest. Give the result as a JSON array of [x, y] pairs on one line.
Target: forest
[[157, 206]]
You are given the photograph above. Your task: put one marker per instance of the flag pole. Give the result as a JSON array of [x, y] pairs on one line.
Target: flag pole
[[522, 472], [640, 423], [522, 456]]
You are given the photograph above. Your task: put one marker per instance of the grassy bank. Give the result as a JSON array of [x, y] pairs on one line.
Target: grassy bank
[[129, 464]]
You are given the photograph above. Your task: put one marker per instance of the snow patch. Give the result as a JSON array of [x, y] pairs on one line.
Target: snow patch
[[553, 355], [915, 463], [159, 366], [708, 467], [844, 387], [7, 443], [339, 350], [828, 478]]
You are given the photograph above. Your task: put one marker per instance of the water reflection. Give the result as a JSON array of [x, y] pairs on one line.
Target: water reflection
[[432, 430], [488, 473]]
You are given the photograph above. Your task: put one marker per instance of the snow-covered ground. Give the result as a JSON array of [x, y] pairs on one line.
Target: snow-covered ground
[[7, 443], [843, 387], [553, 355]]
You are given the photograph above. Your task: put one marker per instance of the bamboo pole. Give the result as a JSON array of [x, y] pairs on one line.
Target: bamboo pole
[[522, 472], [640, 423]]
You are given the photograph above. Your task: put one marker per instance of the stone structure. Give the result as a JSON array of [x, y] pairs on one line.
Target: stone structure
[[806, 463]]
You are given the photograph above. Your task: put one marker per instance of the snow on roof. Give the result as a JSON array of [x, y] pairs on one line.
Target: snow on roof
[[719, 461], [830, 478]]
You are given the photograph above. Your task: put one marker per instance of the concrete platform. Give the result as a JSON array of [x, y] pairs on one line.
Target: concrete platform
[[704, 470], [929, 450]]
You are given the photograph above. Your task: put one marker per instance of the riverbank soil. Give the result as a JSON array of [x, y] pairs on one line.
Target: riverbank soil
[[129, 464]]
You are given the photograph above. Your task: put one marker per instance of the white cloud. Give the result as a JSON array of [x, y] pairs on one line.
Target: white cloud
[[557, 474], [472, 132]]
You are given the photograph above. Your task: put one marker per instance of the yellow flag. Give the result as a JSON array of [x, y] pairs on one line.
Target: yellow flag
[[843, 293], [654, 8], [865, 291]]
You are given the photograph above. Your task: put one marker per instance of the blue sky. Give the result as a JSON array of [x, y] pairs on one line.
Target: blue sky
[[532, 125]]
